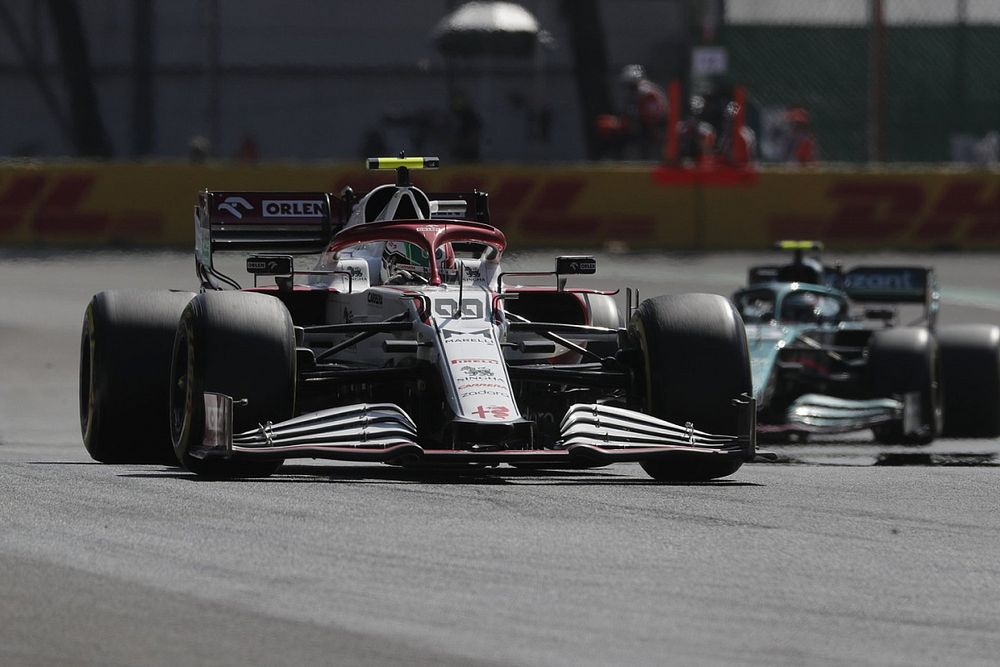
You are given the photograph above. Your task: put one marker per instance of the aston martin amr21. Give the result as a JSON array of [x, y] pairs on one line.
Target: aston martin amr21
[[832, 354]]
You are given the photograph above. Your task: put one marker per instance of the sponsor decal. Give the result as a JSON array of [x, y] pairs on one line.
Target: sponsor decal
[[233, 206], [471, 308], [473, 385], [375, 298], [429, 228], [541, 417], [476, 372], [884, 281], [492, 412], [574, 265], [485, 392], [274, 266], [293, 208], [474, 361], [451, 334]]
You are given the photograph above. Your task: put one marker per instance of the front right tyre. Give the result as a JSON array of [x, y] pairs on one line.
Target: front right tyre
[[241, 344]]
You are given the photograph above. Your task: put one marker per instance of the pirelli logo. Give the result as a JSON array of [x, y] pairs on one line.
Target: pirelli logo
[[293, 208]]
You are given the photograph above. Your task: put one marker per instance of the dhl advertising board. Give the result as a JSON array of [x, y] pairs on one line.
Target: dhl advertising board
[[640, 207]]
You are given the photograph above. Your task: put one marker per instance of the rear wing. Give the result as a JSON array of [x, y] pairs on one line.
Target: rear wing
[[274, 221], [291, 223], [284, 222], [893, 284], [890, 284]]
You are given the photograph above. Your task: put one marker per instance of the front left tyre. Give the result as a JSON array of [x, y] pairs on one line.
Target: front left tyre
[[241, 344], [694, 362], [125, 352]]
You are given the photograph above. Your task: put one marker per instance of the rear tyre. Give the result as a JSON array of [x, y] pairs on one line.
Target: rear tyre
[[902, 361], [694, 362], [970, 380], [125, 350], [240, 344]]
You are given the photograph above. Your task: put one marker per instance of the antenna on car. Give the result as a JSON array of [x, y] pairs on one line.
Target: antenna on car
[[403, 165]]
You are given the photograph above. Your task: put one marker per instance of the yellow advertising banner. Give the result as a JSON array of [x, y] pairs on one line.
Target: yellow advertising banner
[[634, 206]]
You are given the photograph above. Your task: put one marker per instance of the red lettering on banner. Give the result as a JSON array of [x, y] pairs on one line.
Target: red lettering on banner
[[58, 212], [964, 200], [893, 210], [511, 194], [18, 198], [873, 210], [557, 194], [50, 205]]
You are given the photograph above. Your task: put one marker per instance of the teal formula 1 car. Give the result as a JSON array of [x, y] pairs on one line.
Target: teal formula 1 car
[[829, 354]]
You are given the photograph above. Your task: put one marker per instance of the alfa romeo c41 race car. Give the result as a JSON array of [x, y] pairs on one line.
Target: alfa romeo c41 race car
[[405, 343], [830, 356]]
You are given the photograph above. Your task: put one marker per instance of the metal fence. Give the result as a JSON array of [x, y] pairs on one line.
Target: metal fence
[[893, 80]]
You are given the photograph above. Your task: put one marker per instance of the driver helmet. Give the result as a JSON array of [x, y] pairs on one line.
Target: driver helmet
[[400, 256], [801, 307]]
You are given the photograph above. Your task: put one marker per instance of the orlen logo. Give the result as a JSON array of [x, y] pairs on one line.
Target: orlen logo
[[233, 205], [292, 208], [262, 265]]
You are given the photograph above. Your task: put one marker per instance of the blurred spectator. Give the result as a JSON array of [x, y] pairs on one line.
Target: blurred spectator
[[248, 152], [644, 114], [468, 126], [695, 136], [801, 146], [971, 149], [199, 148], [738, 143], [637, 133]]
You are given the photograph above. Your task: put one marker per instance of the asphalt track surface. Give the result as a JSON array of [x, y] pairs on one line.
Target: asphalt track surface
[[827, 559]]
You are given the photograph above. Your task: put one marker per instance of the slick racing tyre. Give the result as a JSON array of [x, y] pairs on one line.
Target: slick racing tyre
[[125, 350], [902, 361], [240, 344], [970, 380], [694, 362]]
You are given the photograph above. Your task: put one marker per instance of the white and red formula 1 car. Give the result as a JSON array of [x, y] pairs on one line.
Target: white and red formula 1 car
[[405, 343]]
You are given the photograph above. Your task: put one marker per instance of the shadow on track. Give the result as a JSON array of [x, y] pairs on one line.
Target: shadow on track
[[299, 474]]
